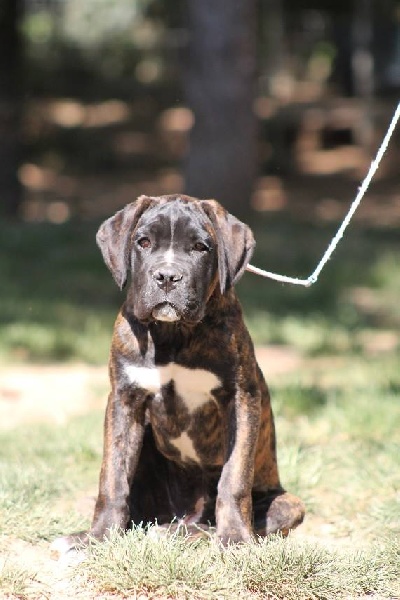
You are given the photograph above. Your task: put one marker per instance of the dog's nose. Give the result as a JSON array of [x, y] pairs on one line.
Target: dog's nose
[[167, 277]]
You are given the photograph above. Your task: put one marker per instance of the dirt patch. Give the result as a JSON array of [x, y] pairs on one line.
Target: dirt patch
[[49, 393], [47, 578]]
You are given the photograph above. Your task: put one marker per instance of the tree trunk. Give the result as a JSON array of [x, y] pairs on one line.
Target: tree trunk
[[10, 190], [220, 83], [363, 66], [273, 41]]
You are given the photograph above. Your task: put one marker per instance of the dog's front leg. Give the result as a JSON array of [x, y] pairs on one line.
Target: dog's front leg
[[233, 506], [123, 438]]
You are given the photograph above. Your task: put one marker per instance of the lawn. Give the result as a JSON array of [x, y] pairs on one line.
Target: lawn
[[338, 448], [337, 413]]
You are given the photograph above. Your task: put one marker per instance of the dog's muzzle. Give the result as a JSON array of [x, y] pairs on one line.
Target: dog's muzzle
[[168, 278]]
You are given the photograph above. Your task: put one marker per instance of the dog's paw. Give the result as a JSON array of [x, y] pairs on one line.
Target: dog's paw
[[285, 512], [70, 546], [234, 535]]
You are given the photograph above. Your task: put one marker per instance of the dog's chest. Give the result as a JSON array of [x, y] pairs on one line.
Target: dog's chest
[[183, 411]]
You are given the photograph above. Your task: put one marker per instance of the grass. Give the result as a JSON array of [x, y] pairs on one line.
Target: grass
[[14, 580], [340, 454], [342, 459], [59, 303], [42, 468], [273, 568], [339, 451]]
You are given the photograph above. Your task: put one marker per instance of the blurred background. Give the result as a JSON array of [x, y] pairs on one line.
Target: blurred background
[[275, 108]]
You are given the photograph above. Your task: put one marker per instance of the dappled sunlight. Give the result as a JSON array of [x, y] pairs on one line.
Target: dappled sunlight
[[173, 126], [366, 300], [329, 209], [119, 150], [326, 162], [35, 177], [375, 343], [148, 70], [380, 210], [106, 113], [39, 182], [136, 151], [180, 119], [326, 141], [58, 212], [126, 143], [72, 113], [54, 212], [89, 197], [269, 195], [383, 212], [66, 113], [171, 181]]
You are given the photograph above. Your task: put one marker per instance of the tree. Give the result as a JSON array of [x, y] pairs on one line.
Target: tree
[[10, 49], [220, 84]]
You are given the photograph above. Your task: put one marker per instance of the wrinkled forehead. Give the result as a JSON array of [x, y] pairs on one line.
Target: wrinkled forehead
[[175, 219]]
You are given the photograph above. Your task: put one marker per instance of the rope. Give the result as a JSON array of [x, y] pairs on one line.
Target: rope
[[339, 234]]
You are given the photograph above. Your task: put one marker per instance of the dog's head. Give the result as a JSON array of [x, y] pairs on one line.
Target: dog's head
[[177, 249]]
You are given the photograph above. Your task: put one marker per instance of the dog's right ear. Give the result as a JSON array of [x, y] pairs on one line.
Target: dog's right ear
[[114, 235]]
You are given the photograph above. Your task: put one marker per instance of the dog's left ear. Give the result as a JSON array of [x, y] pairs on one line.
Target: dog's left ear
[[235, 243], [113, 238]]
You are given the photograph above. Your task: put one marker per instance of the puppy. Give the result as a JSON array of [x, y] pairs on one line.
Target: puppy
[[189, 432]]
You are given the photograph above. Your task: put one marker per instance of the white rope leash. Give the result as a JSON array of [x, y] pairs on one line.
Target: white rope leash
[[335, 240]]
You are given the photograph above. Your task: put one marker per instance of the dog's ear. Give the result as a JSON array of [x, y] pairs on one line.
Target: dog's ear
[[235, 243], [114, 235]]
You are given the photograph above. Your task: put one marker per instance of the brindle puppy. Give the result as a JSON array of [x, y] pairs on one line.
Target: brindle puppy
[[189, 431]]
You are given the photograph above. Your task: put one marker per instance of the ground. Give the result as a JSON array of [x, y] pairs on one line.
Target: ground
[[54, 394]]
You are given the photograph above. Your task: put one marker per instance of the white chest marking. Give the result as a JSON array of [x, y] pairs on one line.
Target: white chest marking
[[143, 377], [184, 444], [192, 385]]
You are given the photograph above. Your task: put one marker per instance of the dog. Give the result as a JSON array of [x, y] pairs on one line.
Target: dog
[[189, 431]]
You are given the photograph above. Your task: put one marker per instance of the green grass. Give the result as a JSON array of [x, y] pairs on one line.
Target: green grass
[[338, 449], [342, 457], [42, 469], [14, 580], [274, 568], [340, 454], [58, 301]]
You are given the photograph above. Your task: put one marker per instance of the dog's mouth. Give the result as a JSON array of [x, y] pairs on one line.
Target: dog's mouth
[[165, 312]]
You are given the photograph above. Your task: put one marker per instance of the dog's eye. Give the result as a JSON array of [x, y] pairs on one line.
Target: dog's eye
[[200, 247], [144, 242]]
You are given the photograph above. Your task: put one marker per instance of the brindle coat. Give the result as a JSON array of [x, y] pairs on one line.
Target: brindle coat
[[207, 458]]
